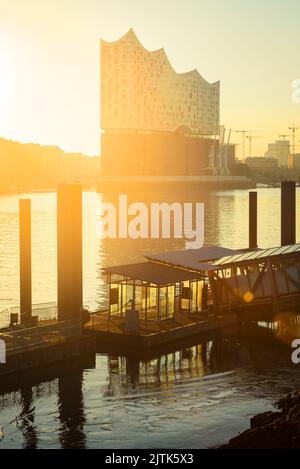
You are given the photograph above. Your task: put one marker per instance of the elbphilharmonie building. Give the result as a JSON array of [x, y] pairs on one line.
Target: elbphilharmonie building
[[154, 121]]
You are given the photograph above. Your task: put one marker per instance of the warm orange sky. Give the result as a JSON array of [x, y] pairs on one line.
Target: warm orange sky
[[49, 62]]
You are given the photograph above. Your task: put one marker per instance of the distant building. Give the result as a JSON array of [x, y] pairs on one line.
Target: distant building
[[280, 150], [154, 120], [261, 163], [230, 152], [296, 161], [35, 166]]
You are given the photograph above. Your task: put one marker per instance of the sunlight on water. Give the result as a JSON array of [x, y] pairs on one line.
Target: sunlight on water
[[196, 397], [226, 224]]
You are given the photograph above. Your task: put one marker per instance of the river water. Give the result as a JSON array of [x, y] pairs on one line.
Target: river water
[[199, 395]]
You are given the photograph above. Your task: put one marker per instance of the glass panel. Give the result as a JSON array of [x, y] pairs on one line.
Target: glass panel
[[205, 296], [198, 295], [282, 250], [138, 298], [144, 297], [257, 254], [222, 260], [115, 298], [291, 249], [152, 297], [129, 295], [152, 304], [163, 303], [247, 255], [113, 294], [185, 296], [123, 300], [171, 301], [233, 258], [184, 304], [194, 297], [201, 298], [267, 252]]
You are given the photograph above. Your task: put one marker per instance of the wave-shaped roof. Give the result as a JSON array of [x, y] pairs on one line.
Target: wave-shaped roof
[[161, 53]]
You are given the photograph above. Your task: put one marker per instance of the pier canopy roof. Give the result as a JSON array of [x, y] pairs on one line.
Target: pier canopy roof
[[195, 259], [257, 255], [152, 273]]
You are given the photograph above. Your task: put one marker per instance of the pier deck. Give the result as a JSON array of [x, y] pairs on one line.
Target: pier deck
[[43, 345], [153, 333]]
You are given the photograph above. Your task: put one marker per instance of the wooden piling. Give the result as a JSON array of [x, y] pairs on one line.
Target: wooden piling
[[288, 213], [25, 262], [252, 220], [69, 251]]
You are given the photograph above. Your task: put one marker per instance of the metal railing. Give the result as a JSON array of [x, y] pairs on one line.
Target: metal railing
[[44, 311], [4, 317], [120, 313], [42, 335]]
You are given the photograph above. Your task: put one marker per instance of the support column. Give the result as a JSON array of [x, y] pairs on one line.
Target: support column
[[25, 262], [69, 251], [288, 213], [252, 220]]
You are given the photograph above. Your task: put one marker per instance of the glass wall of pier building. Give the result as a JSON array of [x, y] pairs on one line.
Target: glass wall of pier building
[[258, 275], [159, 291], [155, 291]]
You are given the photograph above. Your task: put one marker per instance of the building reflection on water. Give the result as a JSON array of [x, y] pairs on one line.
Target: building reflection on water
[[76, 393], [127, 373], [53, 407], [280, 330], [124, 375]]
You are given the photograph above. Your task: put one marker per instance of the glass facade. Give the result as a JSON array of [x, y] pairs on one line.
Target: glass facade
[[166, 302], [157, 303], [193, 296], [120, 294]]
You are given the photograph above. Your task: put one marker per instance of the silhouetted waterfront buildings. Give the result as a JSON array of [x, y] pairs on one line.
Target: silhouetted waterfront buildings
[[28, 166]]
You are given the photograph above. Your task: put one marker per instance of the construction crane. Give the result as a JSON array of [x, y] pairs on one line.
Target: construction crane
[[243, 132], [229, 139], [294, 130], [223, 148], [229, 135], [251, 137], [284, 137]]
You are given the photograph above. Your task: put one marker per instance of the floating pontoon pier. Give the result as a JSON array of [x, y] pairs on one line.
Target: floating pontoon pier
[[170, 296], [152, 303], [178, 294], [174, 295], [44, 345]]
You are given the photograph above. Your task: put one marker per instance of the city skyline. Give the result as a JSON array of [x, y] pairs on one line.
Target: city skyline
[[49, 80]]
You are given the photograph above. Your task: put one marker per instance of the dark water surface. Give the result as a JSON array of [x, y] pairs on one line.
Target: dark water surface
[[197, 396]]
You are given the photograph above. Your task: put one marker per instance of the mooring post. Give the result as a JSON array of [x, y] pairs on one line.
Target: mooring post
[[288, 213], [25, 262], [69, 251], [252, 220]]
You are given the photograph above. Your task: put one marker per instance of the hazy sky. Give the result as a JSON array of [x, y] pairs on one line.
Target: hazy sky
[[49, 61]]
